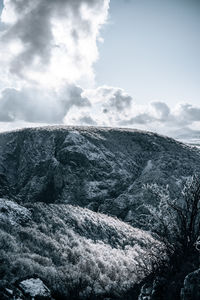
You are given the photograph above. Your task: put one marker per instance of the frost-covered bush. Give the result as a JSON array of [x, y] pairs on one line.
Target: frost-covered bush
[[77, 253], [175, 220]]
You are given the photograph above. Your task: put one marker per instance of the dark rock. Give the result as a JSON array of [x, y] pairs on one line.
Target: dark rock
[[146, 292], [153, 290], [191, 288]]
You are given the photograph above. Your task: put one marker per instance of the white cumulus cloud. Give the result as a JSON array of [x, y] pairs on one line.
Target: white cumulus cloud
[[47, 41]]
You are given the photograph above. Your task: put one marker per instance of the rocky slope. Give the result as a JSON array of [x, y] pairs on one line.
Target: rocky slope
[[99, 168], [76, 251]]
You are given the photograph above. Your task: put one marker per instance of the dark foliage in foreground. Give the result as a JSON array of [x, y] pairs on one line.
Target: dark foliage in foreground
[[177, 223]]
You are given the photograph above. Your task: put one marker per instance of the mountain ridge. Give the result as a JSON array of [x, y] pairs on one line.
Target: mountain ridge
[[103, 169]]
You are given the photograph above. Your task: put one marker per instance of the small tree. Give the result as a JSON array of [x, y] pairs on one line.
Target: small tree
[[187, 211], [176, 221]]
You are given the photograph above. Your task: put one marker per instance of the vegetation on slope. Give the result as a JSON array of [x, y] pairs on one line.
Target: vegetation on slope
[[79, 253], [76, 252]]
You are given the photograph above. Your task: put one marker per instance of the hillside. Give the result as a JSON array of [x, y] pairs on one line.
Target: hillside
[[79, 254], [102, 169], [63, 191]]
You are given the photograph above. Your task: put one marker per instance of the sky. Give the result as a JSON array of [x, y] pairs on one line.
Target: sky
[[152, 50], [118, 63]]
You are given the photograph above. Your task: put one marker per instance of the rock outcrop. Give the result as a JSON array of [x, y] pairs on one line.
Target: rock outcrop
[[28, 289]]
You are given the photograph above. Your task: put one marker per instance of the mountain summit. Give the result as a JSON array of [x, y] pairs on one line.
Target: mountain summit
[[102, 169]]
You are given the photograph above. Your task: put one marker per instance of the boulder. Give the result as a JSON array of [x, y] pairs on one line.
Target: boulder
[[35, 289]]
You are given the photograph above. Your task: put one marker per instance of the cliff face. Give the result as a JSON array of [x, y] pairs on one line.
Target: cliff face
[[102, 169]]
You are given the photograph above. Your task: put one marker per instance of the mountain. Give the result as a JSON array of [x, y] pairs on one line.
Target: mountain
[[102, 169], [66, 195]]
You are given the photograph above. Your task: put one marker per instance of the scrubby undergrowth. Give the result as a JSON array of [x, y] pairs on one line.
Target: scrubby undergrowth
[[76, 252]]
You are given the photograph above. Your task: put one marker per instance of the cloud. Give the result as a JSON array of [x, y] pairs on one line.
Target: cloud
[[186, 114], [142, 118], [112, 106], [47, 41], [47, 48], [120, 100], [87, 120], [103, 106], [34, 105], [108, 106], [111, 98], [162, 110], [159, 112]]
